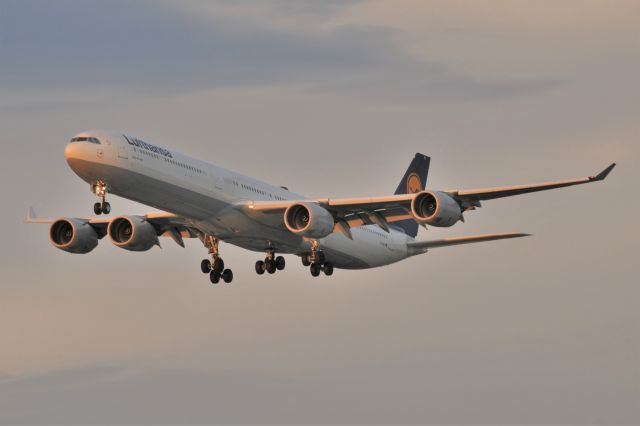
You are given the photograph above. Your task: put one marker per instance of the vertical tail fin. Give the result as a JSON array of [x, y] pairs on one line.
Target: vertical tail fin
[[414, 180]]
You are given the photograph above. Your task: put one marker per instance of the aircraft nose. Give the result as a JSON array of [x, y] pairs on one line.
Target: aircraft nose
[[71, 151], [78, 151]]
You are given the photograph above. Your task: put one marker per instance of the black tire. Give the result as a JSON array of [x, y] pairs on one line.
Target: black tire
[[205, 266], [315, 269], [260, 267], [227, 275], [106, 208], [214, 276], [218, 264], [328, 268], [320, 257], [280, 263], [97, 209], [305, 260], [270, 266]]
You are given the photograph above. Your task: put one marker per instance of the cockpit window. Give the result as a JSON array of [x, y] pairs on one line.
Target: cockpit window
[[86, 139]]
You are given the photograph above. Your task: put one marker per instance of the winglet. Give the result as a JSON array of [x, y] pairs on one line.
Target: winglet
[[32, 218], [603, 174]]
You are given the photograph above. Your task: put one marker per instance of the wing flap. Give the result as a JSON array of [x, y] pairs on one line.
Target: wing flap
[[367, 204], [340, 206]]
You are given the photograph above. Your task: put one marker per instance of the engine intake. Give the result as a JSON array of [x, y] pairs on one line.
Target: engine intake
[[132, 233], [308, 220], [73, 235], [435, 209]]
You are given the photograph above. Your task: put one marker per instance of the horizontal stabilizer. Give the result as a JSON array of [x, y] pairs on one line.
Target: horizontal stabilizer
[[419, 247]]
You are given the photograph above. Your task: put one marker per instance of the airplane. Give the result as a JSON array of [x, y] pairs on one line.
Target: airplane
[[205, 201]]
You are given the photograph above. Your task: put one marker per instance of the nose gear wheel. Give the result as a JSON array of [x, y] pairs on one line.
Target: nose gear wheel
[[100, 188]]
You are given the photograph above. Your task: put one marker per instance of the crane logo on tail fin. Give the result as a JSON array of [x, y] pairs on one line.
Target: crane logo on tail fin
[[413, 184]]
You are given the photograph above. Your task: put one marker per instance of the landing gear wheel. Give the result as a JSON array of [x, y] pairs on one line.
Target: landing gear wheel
[[260, 267], [320, 258], [315, 269], [215, 266], [218, 264], [305, 260], [99, 208], [227, 275], [205, 266], [328, 268], [100, 188], [270, 266], [280, 263]]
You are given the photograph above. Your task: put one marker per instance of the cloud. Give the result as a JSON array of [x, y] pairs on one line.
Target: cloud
[[111, 395], [541, 332], [151, 49], [108, 395]]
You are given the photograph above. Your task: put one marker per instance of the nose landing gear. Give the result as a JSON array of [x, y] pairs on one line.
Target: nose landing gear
[[215, 266], [100, 189]]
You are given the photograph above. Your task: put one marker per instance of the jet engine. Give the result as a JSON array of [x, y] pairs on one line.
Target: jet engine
[[73, 235], [308, 220], [132, 233], [435, 209]]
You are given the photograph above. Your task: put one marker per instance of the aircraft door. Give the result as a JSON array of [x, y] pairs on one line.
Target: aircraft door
[[219, 182], [123, 149]]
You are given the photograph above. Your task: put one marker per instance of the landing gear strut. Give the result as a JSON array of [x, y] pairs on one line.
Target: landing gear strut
[[316, 261], [271, 263], [215, 266], [100, 189]]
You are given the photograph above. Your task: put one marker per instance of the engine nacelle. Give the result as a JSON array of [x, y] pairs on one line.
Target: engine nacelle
[[73, 235], [435, 209], [308, 220], [132, 233]]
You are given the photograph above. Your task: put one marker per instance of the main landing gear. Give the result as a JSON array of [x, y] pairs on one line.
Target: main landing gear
[[316, 261], [215, 266], [100, 189], [271, 263]]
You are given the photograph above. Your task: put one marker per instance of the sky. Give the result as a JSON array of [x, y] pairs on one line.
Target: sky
[[331, 99]]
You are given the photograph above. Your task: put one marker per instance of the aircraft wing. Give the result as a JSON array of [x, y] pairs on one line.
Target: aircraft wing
[[166, 224], [354, 212], [418, 247], [508, 191]]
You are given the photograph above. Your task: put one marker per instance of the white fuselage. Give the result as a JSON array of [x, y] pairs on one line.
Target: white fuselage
[[208, 196]]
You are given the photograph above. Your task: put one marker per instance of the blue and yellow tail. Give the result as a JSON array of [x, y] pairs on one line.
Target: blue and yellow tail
[[414, 180]]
